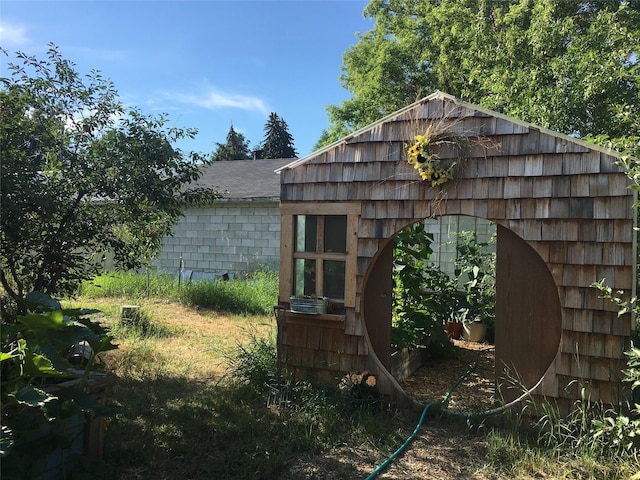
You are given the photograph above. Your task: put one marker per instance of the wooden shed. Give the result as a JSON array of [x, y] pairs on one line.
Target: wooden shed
[[564, 220]]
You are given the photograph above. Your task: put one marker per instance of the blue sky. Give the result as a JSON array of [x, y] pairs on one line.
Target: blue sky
[[207, 64]]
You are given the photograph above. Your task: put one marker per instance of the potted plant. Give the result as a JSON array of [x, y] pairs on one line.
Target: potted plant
[[475, 269]]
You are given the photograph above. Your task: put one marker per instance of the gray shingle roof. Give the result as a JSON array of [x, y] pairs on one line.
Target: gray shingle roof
[[245, 179]]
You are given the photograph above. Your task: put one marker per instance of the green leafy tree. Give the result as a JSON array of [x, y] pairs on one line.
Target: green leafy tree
[[235, 148], [278, 142], [568, 65], [80, 178]]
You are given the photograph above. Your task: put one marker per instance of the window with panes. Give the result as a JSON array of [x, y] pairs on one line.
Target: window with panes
[[320, 254]]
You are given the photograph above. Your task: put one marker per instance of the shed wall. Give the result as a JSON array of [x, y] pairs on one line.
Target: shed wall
[[568, 201]]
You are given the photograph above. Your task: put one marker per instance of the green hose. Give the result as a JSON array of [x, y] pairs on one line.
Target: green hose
[[442, 403]]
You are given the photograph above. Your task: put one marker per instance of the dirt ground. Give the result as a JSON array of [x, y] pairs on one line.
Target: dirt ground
[[440, 450], [476, 392]]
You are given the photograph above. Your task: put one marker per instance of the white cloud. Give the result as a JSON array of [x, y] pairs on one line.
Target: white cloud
[[12, 36], [213, 99]]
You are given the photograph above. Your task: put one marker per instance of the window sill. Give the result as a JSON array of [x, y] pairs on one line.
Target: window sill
[[326, 320]]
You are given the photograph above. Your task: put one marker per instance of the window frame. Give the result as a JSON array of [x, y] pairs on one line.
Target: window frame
[[320, 256], [288, 255]]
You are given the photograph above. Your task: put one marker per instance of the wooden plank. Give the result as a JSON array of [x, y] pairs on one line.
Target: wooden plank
[[561, 186], [533, 165], [528, 207], [286, 258], [495, 188], [467, 207], [330, 208], [579, 185], [552, 165], [580, 367], [496, 209], [543, 187], [512, 187], [581, 163], [516, 166], [481, 209], [559, 208]]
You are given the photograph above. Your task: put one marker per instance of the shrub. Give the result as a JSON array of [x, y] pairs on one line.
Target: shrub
[[44, 389]]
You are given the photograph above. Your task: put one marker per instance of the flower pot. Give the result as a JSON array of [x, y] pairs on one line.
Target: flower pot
[[474, 332], [454, 330]]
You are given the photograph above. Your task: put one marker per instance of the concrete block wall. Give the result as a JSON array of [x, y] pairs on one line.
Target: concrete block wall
[[233, 237], [444, 229]]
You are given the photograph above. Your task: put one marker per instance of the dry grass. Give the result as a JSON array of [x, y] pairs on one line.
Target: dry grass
[[199, 343], [175, 426]]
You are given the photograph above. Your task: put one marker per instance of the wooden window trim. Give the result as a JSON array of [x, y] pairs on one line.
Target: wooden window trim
[[287, 245]]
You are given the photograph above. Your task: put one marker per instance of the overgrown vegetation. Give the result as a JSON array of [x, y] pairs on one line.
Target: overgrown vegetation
[[426, 298], [47, 360], [194, 405], [256, 293]]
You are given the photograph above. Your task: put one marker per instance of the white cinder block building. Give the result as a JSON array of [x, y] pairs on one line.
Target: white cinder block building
[[234, 235]]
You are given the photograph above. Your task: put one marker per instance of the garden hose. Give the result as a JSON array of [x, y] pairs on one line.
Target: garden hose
[[442, 403]]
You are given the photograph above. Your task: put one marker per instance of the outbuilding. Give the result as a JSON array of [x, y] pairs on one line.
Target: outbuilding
[[564, 216]]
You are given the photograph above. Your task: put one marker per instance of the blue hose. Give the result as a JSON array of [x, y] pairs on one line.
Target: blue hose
[[442, 403]]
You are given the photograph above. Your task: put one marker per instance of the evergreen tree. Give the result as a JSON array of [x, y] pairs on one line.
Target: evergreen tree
[[235, 148], [278, 142]]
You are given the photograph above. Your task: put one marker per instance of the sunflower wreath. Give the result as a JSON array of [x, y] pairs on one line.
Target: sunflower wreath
[[429, 167]]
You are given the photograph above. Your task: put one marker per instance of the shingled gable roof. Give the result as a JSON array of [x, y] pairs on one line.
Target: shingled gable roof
[[365, 131], [245, 180]]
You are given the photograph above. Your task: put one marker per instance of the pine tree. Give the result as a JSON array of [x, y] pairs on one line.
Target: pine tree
[[235, 148], [278, 142]]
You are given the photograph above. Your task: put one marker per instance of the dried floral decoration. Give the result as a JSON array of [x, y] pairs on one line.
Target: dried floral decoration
[[427, 164]]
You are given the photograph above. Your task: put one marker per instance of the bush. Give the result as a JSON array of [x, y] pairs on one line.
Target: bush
[[47, 358]]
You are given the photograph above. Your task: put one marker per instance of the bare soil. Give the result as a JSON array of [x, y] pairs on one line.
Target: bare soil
[[474, 394]]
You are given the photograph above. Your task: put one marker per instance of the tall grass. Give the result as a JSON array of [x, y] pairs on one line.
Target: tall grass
[[254, 294], [132, 285]]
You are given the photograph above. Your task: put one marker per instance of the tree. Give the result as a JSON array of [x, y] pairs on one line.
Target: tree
[[278, 142], [80, 178], [568, 65], [235, 148]]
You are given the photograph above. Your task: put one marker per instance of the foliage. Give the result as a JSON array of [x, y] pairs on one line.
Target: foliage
[[236, 147], [255, 363], [277, 142], [423, 296], [571, 66], [475, 267], [426, 298], [360, 389], [79, 177], [36, 358], [256, 293], [132, 286]]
